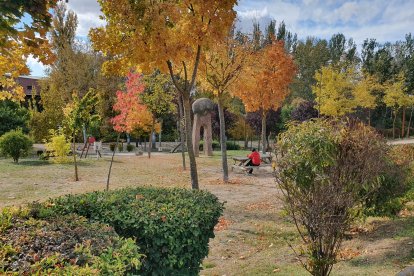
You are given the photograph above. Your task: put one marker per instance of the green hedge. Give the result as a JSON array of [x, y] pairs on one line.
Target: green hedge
[[67, 245], [216, 145], [172, 227]]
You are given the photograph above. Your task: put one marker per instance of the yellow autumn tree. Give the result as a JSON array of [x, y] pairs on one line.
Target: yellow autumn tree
[[169, 35], [396, 98], [333, 91], [266, 82], [223, 65], [341, 91]]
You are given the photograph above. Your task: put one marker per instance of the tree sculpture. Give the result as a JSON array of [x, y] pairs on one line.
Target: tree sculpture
[[169, 35], [202, 119]]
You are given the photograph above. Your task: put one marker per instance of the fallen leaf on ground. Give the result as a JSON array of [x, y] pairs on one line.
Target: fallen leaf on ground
[[222, 224]]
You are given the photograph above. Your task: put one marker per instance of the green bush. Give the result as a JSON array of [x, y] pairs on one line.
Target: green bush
[[120, 147], [130, 147], [395, 185], [232, 146], [215, 144], [171, 226], [15, 144], [66, 245], [112, 146]]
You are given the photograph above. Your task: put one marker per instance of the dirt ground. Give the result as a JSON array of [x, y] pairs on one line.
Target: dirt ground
[[254, 234]]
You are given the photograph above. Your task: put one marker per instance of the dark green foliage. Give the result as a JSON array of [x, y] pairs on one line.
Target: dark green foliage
[[396, 186], [112, 146], [130, 147], [215, 144], [12, 116], [232, 146], [15, 144], [171, 226], [120, 147], [66, 245]]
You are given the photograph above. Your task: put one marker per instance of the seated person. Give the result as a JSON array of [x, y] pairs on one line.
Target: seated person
[[254, 160]]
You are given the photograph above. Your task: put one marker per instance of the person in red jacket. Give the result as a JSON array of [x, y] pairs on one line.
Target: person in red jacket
[[254, 160]]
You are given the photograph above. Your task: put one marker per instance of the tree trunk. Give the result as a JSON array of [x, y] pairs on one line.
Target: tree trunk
[[223, 142], [186, 92], [369, 117], [182, 131], [393, 124], [403, 123], [150, 136], [409, 122], [159, 137], [264, 132], [246, 142], [190, 150], [74, 158], [112, 160]]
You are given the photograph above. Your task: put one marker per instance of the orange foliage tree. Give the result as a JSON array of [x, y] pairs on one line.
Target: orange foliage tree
[[169, 35], [266, 82]]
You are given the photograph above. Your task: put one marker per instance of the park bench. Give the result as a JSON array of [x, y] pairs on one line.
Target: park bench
[[240, 163]]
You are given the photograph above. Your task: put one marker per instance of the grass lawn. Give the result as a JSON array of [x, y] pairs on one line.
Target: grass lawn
[[253, 236]]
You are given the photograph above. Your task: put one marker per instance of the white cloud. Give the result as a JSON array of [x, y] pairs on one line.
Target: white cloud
[[385, 20], [88, 12]]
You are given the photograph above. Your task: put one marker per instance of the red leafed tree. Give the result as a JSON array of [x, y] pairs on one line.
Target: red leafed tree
[[133, 114]]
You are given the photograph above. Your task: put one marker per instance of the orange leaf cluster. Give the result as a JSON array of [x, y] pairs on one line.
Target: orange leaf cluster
[[266, 81]]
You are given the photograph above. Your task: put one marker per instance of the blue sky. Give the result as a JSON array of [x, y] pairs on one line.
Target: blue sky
[[385, 20]]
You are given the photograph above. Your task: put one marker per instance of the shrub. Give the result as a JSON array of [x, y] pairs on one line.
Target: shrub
[[396, 183], [215, 144], [327, 170], [130, 147], [15, 144], [67, 245], [232, 146], [112, 146], [120, 147], [59, 145], [171, 226]]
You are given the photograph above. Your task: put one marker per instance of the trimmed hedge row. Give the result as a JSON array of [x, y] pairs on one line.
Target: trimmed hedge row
[[172, 227], [67, 245]]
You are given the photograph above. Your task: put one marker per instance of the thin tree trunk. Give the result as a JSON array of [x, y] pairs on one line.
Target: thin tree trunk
[[246, 142], [393, 124], [369, 117], [112, 160], [190, 150], [159, 137], [182, 131], [185, 92], [264, 132], [150, 137], [403, 123], [223, 142], [74, 158], [409, 122]]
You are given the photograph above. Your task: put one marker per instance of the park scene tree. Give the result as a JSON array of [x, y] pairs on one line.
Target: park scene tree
[[104, 105]]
